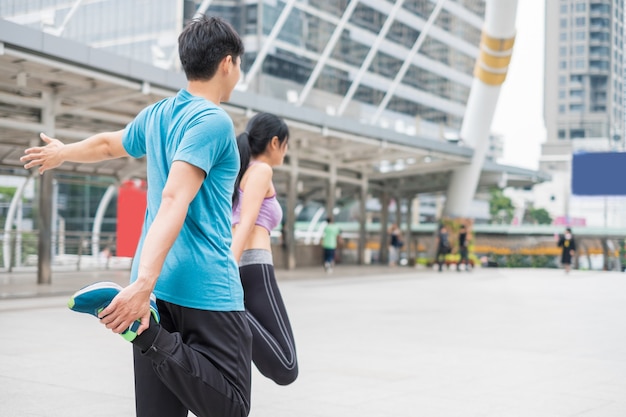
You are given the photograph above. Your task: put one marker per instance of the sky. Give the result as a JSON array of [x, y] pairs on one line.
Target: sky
[[519, 113]]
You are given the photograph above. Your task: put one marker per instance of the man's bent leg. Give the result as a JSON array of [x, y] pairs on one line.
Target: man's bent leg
[[206, 363], [152, 397]]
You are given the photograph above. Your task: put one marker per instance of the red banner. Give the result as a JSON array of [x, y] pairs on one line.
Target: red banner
[[131, 211]]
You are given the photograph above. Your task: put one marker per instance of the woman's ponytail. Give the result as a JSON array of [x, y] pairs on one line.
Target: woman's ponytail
[[243, 143]]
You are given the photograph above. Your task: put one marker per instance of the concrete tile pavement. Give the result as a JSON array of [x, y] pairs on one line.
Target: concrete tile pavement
[[372, 341]]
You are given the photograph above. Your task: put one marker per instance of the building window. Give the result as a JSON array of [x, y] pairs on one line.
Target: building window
[[561, 133], [580, 21], [251, 22], [599, 65], [562, 80], [601, 22], [577, 133], [580, 36], [604, 51], [576, 108], [563, 23], [599, 96], [601, 8], [600, 36], [562, 108], [563, 65]]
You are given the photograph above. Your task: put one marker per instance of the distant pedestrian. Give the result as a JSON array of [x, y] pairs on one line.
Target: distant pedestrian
[[395, 244], [443, 246], [331, 236], [463, 250], [567, 243]]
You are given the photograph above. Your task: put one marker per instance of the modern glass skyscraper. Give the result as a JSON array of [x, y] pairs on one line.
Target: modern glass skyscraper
[[377, 61], [583, 103], [584, 77]]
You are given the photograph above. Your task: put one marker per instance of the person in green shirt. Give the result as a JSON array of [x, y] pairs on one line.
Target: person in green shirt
[[329, 243]]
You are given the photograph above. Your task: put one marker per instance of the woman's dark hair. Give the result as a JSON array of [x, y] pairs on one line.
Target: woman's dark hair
[[203, 44], [254, 141]]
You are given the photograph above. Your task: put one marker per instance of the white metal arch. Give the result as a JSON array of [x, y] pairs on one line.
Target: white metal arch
[[97, 221], [8, 223]]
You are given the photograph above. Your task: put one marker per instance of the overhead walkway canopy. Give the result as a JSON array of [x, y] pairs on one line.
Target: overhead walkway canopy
[[71, 91], [50, 84]]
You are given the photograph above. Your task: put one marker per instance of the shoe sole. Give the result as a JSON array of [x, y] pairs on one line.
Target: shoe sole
[[106, 291]]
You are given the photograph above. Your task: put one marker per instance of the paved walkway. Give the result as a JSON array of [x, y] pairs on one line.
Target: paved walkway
[[372, 342]]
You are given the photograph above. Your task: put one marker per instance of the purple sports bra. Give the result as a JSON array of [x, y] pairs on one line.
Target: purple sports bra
[[270, 213]]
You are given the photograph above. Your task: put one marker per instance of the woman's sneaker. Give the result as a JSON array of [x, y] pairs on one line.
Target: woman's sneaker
[[94, 298]]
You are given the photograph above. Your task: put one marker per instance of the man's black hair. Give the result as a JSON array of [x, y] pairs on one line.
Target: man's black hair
[[203, 44]]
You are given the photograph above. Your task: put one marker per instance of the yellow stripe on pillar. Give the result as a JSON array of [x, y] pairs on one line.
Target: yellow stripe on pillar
[[497, 44], [494, 59], [488, 77]]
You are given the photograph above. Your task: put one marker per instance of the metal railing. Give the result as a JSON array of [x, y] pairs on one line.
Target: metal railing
[[70, 251]]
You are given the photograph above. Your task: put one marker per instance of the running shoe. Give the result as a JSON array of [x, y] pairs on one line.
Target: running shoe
[[94, 298]]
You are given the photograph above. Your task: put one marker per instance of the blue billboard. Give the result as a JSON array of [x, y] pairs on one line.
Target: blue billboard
[[599, 174]]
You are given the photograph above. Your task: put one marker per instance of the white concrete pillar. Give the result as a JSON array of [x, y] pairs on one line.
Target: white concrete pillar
[[496, 47]]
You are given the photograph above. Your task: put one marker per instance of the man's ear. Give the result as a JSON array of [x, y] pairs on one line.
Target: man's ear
[[226, 63]]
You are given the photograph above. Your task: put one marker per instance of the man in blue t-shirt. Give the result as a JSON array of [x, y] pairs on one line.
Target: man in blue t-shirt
[[194, 353]]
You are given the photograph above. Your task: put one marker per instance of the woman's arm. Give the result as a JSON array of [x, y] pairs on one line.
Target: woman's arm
[[99, 147], [258, 183]]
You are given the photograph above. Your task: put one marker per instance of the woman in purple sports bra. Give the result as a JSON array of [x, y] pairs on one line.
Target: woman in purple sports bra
[[255, 213]]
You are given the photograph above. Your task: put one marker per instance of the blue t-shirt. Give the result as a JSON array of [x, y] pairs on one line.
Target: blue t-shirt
[[199, 271]]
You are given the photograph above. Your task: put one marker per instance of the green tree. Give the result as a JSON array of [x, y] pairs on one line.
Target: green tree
[[538, 216], [500, 207], [7, 193]]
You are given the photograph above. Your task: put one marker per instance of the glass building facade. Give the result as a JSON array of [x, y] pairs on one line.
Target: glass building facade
[[584, 73], [344, 57], [376, 41]]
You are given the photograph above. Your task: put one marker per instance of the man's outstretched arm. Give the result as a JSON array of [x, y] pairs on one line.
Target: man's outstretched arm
[[96, 148]]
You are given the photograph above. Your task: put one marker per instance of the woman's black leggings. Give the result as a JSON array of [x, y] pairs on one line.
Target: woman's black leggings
[[273, 347]]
